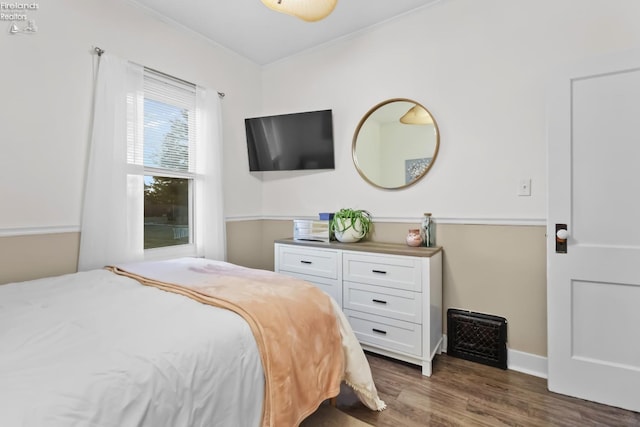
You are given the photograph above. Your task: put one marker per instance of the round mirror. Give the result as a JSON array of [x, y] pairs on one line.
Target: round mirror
[[395, 144]]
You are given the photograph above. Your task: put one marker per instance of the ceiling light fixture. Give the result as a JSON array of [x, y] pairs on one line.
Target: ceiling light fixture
[[416, 116], [307, 10]]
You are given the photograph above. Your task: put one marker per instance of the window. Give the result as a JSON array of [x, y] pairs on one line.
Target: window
[[168, 160], [154, 179]]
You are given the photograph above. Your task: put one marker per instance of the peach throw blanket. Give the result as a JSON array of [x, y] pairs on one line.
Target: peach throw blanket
[[292, 321]]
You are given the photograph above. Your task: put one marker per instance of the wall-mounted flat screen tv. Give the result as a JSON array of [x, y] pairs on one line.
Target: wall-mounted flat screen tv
[[296, 141]]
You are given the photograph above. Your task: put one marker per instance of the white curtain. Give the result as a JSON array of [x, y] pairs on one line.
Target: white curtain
[[209, 216], [112, 214], [112, 226]]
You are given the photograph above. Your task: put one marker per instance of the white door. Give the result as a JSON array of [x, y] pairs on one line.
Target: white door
[[593, 290]]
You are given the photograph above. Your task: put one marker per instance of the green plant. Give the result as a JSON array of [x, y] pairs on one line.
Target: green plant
[[347, 218]]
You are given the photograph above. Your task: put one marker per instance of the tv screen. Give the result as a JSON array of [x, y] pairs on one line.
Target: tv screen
[[295, 141]]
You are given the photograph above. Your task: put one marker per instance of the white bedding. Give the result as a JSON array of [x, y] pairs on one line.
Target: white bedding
[[71, 354]]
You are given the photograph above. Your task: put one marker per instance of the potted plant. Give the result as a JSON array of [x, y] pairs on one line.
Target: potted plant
[[351, 225]]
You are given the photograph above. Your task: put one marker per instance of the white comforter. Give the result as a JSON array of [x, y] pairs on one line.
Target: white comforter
[[98, 349]]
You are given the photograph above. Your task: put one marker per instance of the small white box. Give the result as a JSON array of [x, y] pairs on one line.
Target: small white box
[[310, 229]]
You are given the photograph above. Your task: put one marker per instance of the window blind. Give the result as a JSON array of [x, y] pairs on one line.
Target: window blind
[[169, 123]]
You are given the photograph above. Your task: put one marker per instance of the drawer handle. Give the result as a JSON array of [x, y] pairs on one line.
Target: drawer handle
[[379, 331], [379, 271], [306, 262], [379, 301]]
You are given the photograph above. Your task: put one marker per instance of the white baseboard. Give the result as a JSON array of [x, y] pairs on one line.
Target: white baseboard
[[527, 363], [519, 361]]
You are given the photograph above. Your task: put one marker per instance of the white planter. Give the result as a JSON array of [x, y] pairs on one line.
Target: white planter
[[350, 235]]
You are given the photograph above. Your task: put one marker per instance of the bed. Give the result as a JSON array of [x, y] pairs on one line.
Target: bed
[[170, 343]]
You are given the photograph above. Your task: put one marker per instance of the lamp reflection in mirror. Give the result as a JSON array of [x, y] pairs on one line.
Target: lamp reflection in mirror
[[416, 116], [307, 10]]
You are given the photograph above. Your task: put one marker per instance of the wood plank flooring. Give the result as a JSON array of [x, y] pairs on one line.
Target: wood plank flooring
[[464, 393]]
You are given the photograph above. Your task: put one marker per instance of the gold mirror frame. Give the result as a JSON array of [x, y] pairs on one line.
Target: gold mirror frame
[[411, 121]]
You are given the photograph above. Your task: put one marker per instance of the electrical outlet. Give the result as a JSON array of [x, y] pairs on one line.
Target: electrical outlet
[[524, 187]]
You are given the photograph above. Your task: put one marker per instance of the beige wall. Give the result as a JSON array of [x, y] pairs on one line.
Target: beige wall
[[250, 243], [35, 256], [498, 270]]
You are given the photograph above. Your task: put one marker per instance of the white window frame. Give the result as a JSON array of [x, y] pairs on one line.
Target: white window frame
[[185, 249]]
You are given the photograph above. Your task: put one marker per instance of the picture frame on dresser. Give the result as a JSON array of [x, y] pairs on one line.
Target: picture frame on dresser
[[390, 293]]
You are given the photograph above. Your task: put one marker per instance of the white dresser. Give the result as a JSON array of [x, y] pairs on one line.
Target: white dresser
[[391, 293]]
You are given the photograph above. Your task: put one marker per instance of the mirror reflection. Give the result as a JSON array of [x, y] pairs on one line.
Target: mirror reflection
[[395, 143]]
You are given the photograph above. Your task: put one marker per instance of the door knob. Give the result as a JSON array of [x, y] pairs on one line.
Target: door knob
[[561, 238], [562, 234]]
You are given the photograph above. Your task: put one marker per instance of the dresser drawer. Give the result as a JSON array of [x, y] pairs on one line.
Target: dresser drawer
[[405, 337], [312, 262], [378, 300], [382, 270], [333, 287]]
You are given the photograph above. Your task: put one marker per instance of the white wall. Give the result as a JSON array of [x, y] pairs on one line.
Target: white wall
[[480, 67], [46, 97]]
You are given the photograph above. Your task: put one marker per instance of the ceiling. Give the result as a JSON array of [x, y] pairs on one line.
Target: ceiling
[[262, 35]]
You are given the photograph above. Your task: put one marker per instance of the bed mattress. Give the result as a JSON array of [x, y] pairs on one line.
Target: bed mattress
[[98, 349]]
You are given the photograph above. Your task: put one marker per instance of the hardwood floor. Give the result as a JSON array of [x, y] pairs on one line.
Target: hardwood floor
[[464, 393]]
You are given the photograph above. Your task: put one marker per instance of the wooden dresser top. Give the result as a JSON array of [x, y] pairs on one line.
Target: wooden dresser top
[[366, 246]]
